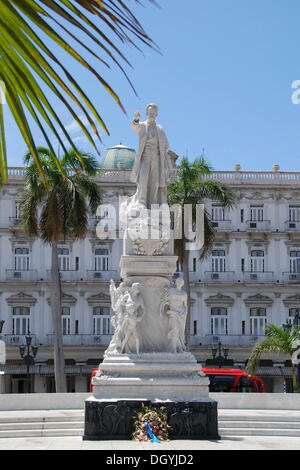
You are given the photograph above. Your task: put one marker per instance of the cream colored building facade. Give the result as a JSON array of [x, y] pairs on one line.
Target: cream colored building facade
[[252, 278]]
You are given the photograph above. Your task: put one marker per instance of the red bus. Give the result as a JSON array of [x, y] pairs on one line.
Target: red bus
[[233, 380], [226, 380]]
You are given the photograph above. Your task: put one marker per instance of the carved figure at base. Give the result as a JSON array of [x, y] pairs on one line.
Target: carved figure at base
[[134, 312], [116, 295], [174, 305]]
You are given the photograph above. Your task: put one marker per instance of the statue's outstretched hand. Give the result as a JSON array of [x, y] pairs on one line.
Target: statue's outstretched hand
[[137, 116]]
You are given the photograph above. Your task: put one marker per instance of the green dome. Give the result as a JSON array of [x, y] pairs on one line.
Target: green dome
[[119, 154]]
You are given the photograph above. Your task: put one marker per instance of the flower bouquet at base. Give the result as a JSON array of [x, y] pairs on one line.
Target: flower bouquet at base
[[151, 424]]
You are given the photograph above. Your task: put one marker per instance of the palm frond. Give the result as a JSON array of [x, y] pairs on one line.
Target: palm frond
[[23, 25]]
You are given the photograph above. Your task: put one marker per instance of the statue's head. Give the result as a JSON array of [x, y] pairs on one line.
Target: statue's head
[[152, 110], [179, 283], [135, 287]]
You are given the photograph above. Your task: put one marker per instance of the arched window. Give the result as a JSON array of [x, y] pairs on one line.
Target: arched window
[[21, 320], [101, 259], [101, 320], [294, 261], [218, 321], [258, 321], [218, 261], [21, 259], [63, 259], [66, 320], [257, 261]]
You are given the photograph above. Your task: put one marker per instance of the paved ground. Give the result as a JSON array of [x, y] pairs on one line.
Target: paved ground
[[76, 443]]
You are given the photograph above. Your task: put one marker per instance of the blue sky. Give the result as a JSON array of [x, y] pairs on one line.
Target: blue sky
[[223, 83]]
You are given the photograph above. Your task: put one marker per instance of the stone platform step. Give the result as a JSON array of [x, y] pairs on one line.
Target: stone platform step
[[259, 423], [60, 432], [48, 423], [267, 432], [60, 423]]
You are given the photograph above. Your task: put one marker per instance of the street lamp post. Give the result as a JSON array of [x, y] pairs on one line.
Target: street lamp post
[[28, 358], [218, 349]]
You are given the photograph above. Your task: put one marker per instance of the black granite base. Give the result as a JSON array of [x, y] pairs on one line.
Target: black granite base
[[115, 420]]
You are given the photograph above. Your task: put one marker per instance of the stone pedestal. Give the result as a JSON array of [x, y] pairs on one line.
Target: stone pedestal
[[151, 376], [114, 419], [146, 361]]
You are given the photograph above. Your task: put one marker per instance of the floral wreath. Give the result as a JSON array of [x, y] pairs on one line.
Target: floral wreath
[[156, 418]]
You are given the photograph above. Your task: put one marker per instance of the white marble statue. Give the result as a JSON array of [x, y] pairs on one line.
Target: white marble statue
[[174, 305], [116, 295], [134, 312], [153, 163]]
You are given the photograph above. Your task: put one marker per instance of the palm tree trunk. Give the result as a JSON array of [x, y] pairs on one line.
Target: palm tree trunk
[[186, 278], [55, 290]]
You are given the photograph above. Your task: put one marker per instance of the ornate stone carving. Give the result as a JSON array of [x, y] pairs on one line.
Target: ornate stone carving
[[219, 299], [21, 298], [129, 308], [258, 299], [174, 305]]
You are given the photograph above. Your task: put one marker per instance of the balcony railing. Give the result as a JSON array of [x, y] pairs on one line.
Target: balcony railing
[[257, 225], [68, 276], [290, 278], [220, 225], [23, 276], [82, 340], [292, 226], [18, 340], [229, 177], [267, 276], [103, 276], [226, 276], [226, 340], [255, 177]]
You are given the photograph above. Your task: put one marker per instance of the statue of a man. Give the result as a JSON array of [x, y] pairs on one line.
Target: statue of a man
[[153, 164]]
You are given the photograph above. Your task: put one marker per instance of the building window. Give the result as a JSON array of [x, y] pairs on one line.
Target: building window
[[258, 321], [292, 313], [63, 259], [21, 320], [219, 323], [217, 213], [256, 213], [66, 320], [101, 320], [218, 261], [294, 213], [243, 265], [295, 262], [101, 259], [21, 259], [17, 211], [195, 328], [257, 261]]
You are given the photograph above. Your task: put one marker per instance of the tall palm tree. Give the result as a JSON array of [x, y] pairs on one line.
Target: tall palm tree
[[32, 34], [190, 187], [278, 339], [55, 213]]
